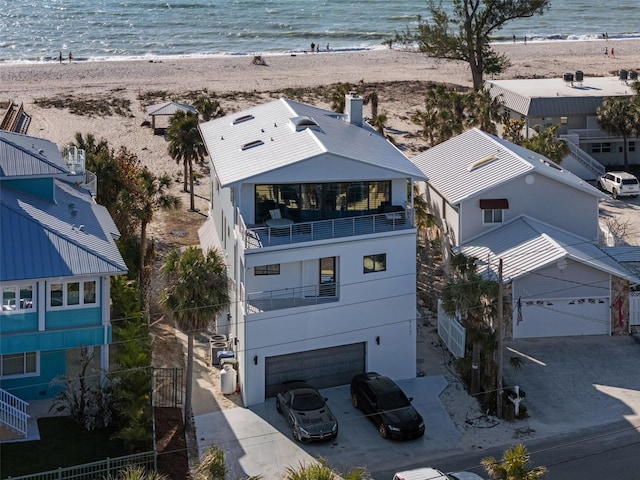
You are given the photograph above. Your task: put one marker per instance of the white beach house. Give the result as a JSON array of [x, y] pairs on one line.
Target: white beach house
[[313, 212]]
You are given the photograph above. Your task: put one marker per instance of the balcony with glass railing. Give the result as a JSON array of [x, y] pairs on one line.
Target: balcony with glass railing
[[287, 233], [266, 301]]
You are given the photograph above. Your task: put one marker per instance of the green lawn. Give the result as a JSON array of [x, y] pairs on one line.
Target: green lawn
[[62, 443]]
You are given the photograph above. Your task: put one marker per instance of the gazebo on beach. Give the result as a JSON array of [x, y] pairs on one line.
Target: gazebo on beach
[[166, 110]]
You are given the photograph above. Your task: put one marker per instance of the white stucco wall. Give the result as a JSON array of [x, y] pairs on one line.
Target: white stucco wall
[[374, 304]]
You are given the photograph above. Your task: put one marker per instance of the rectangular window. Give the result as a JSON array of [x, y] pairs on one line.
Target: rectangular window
[[17, 297], [492, 215], [267, 269], [90, 292], [375, 263], [18, 364], [73, 294], [606, 148], [56, 295], [631, 146]]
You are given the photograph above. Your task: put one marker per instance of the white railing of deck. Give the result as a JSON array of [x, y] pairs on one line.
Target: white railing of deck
[[75, 159], [13, 412], [326, 229], [452, 333], [290, 297], [586, 159]]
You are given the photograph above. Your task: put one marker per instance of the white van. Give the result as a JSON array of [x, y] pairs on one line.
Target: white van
[[428, 473], [620, 184]]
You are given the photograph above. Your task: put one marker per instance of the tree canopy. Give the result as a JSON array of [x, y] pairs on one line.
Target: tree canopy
[[620, 116], [465, 34]]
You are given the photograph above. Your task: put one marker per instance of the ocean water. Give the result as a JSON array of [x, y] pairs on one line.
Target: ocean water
[[97, 30]]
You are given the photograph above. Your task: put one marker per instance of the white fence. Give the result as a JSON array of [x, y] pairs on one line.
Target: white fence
[[452, 333], [13, 412]]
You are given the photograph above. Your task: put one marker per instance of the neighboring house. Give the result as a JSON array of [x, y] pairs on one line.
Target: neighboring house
[[57, 256], [496, 200], [311, 210], [573, 105]]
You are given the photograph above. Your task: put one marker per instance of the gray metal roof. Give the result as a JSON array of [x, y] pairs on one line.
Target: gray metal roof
[[449, 166], [169, 108], [41, 239], [281, 133], [21, 155], [553, 97], [526, 245]]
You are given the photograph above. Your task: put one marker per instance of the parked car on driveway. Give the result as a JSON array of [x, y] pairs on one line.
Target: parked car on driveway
[[434, 474], [620, 184], [306, 412], [386, 405]]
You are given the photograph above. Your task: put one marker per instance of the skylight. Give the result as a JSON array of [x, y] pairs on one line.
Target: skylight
[[481, 162], [244, 118], [255, 143], [303, 122]]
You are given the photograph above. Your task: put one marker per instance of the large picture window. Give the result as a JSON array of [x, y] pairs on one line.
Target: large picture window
[[17, 298], [309, 202], [375, 263], [70, 294], [19, 364]]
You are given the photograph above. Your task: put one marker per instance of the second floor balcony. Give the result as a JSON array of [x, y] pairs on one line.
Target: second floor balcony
[[266, 301]]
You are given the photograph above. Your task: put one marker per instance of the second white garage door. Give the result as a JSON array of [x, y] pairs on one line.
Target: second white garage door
[[562, 317]]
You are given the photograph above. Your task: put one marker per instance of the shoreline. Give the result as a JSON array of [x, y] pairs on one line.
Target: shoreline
[[499, 44]]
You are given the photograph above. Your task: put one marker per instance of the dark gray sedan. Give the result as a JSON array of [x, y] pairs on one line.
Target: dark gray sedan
[[307, 412]]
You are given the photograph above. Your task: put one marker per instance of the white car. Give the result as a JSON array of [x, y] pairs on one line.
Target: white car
[[620, 184], [428, 473]]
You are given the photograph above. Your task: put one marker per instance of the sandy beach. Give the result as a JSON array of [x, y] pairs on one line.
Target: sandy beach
[[127, 80]]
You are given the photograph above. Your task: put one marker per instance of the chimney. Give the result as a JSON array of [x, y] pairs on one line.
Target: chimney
[[353, 108]]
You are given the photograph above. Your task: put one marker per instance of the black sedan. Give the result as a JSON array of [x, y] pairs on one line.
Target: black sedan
[[386, 405], [307, 412]]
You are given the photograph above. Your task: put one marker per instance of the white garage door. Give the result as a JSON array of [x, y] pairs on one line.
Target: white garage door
[[326, 367], [562, 317]]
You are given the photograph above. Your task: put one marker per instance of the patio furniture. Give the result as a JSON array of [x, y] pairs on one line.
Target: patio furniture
[[276, 219]]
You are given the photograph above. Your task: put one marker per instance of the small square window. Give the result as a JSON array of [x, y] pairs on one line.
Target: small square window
[[375, 263], [492, 215]]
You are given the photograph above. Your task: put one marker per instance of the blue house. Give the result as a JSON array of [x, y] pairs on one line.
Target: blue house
[[57, 255]]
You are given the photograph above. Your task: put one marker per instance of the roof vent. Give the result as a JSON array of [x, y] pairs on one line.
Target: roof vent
[[41, 152], [481, 162], [300, 123], [551, 164]]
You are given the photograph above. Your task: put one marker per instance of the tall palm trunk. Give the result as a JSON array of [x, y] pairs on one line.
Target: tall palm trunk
[[475, 368], [186, 175], [191, 194], [189, 381]]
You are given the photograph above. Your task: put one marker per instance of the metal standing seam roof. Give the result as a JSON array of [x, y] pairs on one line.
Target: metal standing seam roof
[[526, 245], [271, 141], [448, 166], [21, 155], [554, 97], [170, 108], [40, 239]]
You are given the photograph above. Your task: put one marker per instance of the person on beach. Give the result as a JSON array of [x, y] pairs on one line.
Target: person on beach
[[327, 47], [313, 47], [70, 57], [60, 57], [606, 52], [525, 39], [613, 55], [514, 39]]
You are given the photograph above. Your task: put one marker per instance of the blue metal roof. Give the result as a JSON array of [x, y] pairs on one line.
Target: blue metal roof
[[69, 237], [22, 155]]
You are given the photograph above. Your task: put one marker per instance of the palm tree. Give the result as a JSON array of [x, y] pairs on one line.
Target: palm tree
[[186, 145], [484, 111], [514, 466], [209, 108], [618, 116], [472, 298], [197, 290], [546, 142], [321, 471], [338, 94], [212, 466]]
